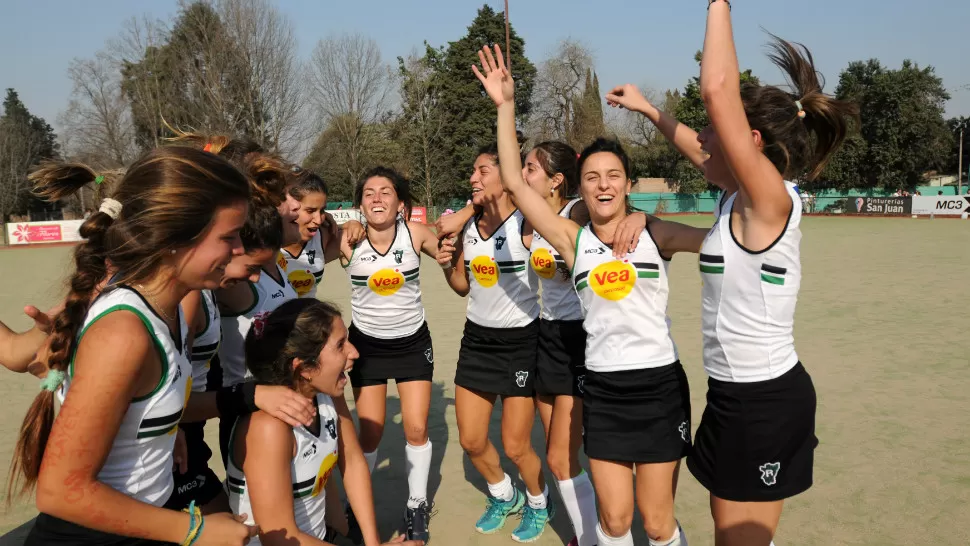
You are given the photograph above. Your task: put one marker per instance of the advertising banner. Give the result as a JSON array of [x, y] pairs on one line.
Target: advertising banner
[[343, 216], [26, 233], [941, 205], [419, 214], [880, 205]]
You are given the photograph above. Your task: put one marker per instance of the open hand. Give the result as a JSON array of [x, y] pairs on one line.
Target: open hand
[[285, 404], [496, 80]]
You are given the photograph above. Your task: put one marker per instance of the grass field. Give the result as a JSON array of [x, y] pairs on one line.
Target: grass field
[[883, 327]]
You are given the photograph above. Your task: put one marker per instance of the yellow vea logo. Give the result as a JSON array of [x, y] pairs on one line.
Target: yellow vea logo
[[386, 282], [543, 263], [302, 281], [323, 475], [281, 261], [612, 280], [485, 271]]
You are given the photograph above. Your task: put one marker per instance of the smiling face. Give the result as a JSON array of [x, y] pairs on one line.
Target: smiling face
[[290, 213], [203, 265], [537, 178], [329, 376], [604, 186], [380, 202], [311, 214], [486, 180]]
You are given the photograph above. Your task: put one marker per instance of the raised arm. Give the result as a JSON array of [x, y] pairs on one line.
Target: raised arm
[[560, 232], [681, 136], [766, 198]]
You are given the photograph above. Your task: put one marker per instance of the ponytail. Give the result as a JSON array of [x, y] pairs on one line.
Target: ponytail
[[268, 177], [57, 181], [801, 129]]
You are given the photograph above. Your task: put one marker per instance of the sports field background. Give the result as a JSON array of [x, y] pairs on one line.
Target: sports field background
[[883, 326]]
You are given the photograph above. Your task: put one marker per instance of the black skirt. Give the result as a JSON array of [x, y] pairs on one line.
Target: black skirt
[[756, 441], [637, 416], [409, 358], [498, 361], [561, 360]]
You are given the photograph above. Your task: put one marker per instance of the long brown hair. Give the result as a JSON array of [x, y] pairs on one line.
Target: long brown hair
[[797, 143], [268, 174], [168, 200]]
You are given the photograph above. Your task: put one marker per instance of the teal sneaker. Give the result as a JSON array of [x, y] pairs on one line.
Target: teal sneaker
[[497, 512], [533, 523]]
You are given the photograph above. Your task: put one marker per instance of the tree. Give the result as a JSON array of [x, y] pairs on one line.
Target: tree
[[223, 68], [470, 112], [349, 86], [955, 125], [97, 123], [423, 125], [559, 90], [25, 139], [902, 134], [588, 123], [328, 159]]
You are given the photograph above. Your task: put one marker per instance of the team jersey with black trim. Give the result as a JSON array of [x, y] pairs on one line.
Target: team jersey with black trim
[[206, 343], [748, 301], [306, 270], [385, 289], [503, 290], [558, 297], [625, 301], [316, 459], [139, 463], [267, 296]]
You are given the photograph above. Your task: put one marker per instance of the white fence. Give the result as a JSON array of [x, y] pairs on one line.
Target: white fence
[[941, 205]]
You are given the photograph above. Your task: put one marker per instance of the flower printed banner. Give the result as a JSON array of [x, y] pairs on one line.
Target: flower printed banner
[[24, 233]]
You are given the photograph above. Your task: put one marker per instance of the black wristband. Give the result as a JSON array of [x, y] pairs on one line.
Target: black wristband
[[237, 400], [249, 396], [230, 403]]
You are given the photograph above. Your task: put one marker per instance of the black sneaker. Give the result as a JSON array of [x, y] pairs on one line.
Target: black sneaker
[[417, 520], [353, 528]]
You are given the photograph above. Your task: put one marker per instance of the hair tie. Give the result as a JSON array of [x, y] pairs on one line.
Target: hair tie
[[207, 147], [52, 380], [801, 110], [99, 179], [259, 324], [110, 207]]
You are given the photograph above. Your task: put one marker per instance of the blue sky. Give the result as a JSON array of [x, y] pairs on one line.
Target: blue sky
[[644, 42]]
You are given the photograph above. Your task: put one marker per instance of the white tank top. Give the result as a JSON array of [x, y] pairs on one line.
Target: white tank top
[[267, 295], [625, 300], [206, 343], [503, 289], [559, 299], [139, 463], [748, 301], [385, 289], [306, 270], [316, 459]]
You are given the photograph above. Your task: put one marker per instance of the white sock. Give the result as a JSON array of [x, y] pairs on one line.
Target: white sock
[[418, 466], [678, 539], [538, 503], [502, 490], [772, 543], [371, 460], [607, 540], [579, 498]]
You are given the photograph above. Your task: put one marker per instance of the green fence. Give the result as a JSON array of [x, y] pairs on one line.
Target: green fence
[[826, 201]]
